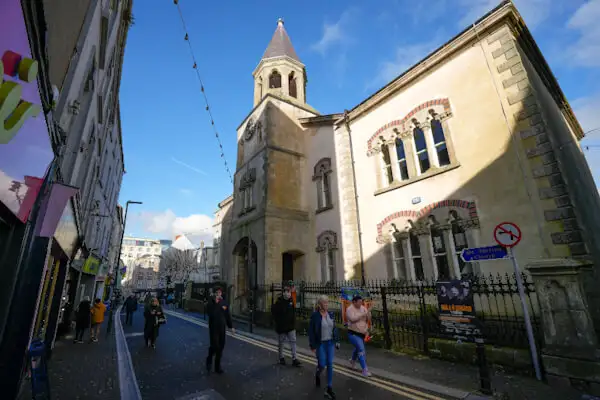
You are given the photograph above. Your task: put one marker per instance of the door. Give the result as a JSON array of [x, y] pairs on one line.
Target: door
[[287, 267]]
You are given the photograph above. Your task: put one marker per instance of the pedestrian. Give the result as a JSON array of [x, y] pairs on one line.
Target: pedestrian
[[154, 317], [219, 318], [323, 339], [82, 319], [284, 315], [358, 317], [170, 300], [131, 306], [97, 312]]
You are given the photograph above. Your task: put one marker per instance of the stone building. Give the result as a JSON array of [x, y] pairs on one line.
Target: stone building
[[477, 133]]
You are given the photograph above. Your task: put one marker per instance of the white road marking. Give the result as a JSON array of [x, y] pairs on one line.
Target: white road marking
[[393, 387], [128, 384], [134, 334]]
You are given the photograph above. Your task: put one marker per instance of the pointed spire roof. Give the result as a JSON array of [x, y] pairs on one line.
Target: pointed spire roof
[[280, 44]]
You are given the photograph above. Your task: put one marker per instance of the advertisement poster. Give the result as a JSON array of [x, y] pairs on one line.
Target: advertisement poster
[[457, 309], [25, 147]]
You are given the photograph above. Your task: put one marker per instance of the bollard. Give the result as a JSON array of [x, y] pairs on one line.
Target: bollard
[[40, 385], [485, 381]]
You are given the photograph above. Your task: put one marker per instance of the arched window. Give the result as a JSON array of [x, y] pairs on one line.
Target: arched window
[[460, 238], [402, 166], [439, 252], [387, 164], [259, 87], [275, 80], [398, 257], [292, 85], [322, 176], [421, 147], [326, 246], [439, 141], [415, 249]]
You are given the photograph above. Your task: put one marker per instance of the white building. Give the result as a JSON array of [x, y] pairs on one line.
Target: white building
[[142, 259]]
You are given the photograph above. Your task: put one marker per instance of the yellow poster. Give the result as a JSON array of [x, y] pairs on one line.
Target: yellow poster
[[91, 266]]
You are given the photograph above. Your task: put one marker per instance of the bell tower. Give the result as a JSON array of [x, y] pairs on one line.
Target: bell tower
[[280, 71]]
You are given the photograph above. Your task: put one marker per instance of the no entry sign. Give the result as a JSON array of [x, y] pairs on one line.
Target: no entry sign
[[507, 234]]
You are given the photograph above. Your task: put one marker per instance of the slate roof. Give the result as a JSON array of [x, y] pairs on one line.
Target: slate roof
[[280, 44]]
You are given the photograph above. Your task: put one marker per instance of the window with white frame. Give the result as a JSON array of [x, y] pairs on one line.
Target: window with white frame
[[423, 163], [401, 155], [327, 247], [322, 178], [388, 175], [415, 249], [398, 258], [439, 141], [440, 254]]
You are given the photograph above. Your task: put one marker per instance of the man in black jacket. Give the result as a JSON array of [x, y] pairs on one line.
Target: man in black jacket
[[219, 318], [284, 315]]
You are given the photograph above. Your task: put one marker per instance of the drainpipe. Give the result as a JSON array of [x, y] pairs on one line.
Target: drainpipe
[[360, 244]]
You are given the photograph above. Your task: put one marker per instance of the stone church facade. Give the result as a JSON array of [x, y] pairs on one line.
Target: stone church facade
[[476, 134]]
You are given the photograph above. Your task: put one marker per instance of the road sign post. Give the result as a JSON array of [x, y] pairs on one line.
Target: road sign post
[[508, 235]]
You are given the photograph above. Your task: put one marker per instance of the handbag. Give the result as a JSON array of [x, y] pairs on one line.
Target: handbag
[[161, 320]]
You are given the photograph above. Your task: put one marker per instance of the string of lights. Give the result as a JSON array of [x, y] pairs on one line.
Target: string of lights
[[208, 108]]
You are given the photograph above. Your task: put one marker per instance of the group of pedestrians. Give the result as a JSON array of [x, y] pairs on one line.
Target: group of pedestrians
[[89, 316]]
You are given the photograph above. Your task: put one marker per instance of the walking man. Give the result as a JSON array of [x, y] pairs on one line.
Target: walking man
[[131, 306], [219, 318], [284, 315]]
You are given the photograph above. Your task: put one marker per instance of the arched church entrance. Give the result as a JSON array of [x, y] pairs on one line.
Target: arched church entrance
[[245, 261]]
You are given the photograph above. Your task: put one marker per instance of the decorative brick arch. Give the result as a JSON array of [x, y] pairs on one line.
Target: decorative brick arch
[[399, 122], [468, 205]]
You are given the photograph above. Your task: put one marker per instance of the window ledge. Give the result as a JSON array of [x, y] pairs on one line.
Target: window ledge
[[323, 209], [433, 171], [246, 210]]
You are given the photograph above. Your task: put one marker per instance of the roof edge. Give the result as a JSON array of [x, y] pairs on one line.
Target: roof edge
[[328, 119], [305, 107]]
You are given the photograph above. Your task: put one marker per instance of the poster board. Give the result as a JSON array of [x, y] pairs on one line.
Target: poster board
[[457, 310]]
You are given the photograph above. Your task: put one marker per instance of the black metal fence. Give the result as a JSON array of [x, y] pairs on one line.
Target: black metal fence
[[405, 314]]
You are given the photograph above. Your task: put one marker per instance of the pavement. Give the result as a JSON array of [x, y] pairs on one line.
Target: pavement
[[121, 367], [82, 371]]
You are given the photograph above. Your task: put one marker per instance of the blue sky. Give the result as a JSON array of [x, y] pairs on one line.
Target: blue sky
[[350, 49]]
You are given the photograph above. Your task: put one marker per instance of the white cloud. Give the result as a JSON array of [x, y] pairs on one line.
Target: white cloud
[[405, 57], [335, 34], [167, 224], [586, 49]]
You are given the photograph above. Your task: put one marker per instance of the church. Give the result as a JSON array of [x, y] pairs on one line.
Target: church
[[476, 134]]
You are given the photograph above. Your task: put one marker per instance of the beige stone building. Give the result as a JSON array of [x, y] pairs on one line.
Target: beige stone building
[[476, 134]]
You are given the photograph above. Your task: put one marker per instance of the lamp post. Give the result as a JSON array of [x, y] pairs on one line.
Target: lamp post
[[115, 283]]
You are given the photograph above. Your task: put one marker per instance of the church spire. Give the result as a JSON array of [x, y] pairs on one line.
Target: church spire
[[280, 44]]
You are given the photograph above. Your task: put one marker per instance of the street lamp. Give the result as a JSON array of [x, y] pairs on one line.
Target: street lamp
[[115, 283]]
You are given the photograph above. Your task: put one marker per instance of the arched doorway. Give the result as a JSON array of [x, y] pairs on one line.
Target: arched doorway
[[245, 261]]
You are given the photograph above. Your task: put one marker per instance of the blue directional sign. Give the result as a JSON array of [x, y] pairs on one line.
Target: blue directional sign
[[484, 253]]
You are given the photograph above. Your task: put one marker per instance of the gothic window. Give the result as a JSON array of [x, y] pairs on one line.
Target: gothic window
[[322, 177], [275, 80], [398, 258], [439, 141], [460, 238], [440, 254], [248, 197], [247, 190], [326, 247], [292, 85], [415, 249], [387, 164], [401, 155], [259, 86], [421, 149]]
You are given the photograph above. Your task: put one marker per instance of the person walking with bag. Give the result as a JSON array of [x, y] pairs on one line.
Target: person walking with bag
[[83, 317], [284, 315], [153, 319], [324, 340], [358, 317], [219, 318]]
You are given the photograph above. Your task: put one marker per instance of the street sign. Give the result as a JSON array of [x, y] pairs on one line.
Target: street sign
[[507, 234], [484, 253]]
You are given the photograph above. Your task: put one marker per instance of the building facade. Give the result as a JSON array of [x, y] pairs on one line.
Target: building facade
[[476, 134], [142, 259]]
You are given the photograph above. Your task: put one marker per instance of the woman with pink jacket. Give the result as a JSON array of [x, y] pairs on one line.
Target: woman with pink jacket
[[358, 327]]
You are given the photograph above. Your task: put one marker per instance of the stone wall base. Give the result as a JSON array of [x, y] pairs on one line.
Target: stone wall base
[[583, 375]]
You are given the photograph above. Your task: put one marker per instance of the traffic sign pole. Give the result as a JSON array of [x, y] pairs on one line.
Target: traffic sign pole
[[528, 326]]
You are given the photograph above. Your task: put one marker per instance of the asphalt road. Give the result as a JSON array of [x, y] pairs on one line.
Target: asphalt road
[[175, 369]]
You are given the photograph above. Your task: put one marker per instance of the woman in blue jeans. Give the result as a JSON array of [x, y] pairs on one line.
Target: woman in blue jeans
[[358, 317], [324, 339]]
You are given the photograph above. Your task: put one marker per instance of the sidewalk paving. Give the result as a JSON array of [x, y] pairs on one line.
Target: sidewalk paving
[[82, 371], [433, 375]]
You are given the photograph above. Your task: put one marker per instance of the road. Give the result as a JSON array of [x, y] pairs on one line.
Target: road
[[175, 369]]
